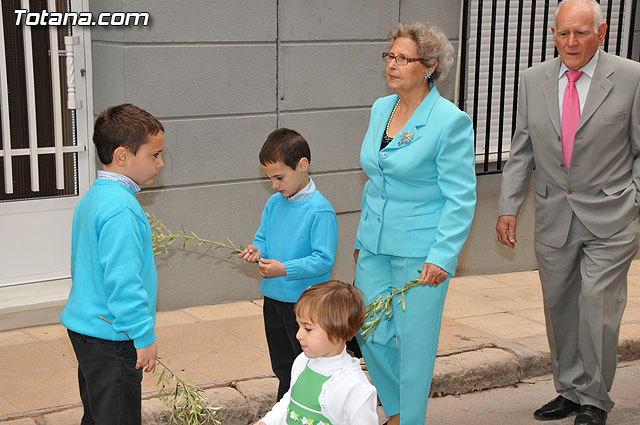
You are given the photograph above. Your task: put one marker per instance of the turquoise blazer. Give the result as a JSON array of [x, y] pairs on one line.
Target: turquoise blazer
[[420, 197]]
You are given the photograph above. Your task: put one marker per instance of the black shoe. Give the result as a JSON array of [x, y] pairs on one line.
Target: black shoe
[[591, 415], [557, 408]]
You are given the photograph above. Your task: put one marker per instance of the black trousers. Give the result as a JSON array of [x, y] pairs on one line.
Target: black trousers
[[110, 384], [281, 327]]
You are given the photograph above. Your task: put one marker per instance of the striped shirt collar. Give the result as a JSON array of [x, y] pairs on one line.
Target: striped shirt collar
[[304, 193], [120, 178]]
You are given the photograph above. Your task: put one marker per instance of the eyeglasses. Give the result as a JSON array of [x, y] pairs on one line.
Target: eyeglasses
[[400, 59]]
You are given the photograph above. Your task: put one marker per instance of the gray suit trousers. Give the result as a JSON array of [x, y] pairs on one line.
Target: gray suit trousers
[[584, 286]]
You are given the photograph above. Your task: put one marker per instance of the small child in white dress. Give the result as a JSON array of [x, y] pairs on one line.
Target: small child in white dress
[[328, 386]]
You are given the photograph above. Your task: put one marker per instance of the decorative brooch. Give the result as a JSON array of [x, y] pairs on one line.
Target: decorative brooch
[[405, 138]]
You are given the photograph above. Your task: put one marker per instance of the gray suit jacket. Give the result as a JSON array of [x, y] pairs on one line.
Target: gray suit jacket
[[601, 186]]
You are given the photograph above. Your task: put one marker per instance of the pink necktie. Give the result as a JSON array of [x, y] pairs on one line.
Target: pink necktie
[[570, 115]]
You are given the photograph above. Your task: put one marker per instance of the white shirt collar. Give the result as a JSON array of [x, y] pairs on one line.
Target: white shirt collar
[[120, 178], [304, 193], [327, 365]]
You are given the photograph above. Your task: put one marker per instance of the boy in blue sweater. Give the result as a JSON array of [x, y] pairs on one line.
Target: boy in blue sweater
[[295, 246], [110, 314]]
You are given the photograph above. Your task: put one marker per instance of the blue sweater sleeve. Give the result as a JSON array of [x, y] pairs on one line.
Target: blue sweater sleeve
[[121, 253], [324, 241], [260, 239]]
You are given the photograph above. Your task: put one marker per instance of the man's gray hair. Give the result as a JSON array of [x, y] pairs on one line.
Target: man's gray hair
[[597, 11]]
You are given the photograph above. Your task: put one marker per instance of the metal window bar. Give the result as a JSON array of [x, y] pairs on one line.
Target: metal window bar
[[57, 100], [479, 99], [31, 104], [545, 24], [69, 42], [632, 22], [6, 126], [532, 31], [462, 81], [505, 48], [476, 82], [619, 37], [498, 108], [492, 51], [514, 113], [606, 38]]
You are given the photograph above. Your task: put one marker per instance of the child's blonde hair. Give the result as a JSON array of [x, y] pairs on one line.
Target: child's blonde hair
[[338, 308]]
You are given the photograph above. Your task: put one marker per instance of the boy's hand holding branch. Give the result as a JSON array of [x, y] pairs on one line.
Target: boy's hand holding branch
[[266, 267], [147, 357], [251, 254]]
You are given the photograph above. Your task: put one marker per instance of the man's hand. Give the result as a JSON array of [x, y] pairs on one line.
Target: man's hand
[[356, 253], [250, 254], [271, 268], [147, 357], [506, 229], [432, 275]]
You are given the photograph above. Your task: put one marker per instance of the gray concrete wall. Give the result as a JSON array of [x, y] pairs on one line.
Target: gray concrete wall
[[222, 75], [482, 253]]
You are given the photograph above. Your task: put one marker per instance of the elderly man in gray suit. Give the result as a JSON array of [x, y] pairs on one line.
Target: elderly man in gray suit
[[579, 124]]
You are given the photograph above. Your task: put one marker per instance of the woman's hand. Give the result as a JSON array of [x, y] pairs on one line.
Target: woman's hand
[[432, 275], [356, 253]]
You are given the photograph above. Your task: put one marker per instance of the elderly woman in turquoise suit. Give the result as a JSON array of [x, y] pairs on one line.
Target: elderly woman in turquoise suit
[[417, 209]]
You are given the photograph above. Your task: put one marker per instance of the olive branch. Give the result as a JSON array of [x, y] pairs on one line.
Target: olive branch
[[187, 404], [162, 238], [185, 399], [381, 307]]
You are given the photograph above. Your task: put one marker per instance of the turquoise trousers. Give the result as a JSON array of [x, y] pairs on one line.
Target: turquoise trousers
[[402, 352]]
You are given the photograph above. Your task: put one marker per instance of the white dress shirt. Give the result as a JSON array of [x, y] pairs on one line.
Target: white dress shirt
[[582, 85]]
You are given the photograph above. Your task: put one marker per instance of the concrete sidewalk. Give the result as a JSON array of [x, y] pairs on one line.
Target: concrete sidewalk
[[493, 335]]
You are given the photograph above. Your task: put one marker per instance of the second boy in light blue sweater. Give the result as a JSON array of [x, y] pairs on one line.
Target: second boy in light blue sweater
[[295, 246]]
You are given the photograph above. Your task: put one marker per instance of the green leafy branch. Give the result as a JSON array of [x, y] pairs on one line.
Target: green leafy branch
[[381, 307], [185, 400], [187, 404], [162, 238]]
